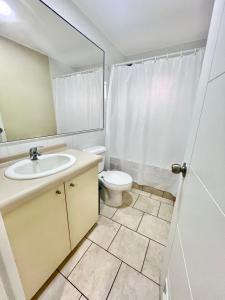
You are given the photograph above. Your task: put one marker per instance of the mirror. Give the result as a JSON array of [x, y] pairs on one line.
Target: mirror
[[51, 75]]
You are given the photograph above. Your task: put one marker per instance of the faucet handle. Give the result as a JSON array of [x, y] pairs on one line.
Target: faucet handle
[[34, 152]]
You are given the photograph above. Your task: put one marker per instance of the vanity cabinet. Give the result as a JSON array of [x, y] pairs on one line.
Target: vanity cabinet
[[82, 204], [39, 237], [44, 230]]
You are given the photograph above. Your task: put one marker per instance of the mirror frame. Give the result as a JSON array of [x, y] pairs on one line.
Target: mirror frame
[[43, 137]]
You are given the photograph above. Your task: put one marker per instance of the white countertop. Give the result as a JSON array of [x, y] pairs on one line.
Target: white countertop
[[15, 192]]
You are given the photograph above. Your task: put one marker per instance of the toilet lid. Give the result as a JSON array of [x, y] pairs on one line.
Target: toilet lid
[[117, 177]]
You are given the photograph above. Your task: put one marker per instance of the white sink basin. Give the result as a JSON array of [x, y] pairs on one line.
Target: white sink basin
[[45, 165]]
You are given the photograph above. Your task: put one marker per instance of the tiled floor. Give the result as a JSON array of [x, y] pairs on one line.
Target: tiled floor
[[122, 256]]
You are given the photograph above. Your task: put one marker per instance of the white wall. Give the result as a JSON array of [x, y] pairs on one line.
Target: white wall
[[69, 11], [163, 51]]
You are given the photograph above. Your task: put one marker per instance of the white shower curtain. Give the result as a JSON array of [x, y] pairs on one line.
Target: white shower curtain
[[78, 101], [148, 117]]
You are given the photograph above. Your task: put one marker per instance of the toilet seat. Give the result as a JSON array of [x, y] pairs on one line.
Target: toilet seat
[[116, 180]]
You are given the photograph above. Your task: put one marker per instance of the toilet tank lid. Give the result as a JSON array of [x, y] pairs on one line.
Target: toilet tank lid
[[95, 149]]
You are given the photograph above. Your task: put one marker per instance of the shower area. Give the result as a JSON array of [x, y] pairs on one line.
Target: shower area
[[149, 111]]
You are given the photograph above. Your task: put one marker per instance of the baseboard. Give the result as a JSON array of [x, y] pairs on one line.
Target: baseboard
[[154, 191]]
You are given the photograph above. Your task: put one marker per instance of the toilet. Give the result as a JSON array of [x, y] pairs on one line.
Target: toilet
[[114, 183]]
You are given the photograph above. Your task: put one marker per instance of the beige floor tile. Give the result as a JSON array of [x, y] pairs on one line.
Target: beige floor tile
[[104, 232], [153, 261], [131, 285], [106, 210], [129, 217], [166, 212], [130, 247], [141, 192], [147, 205], [154, 228], [60, 289], [68, 267], [95, 273], [163, 200], [129, 198]]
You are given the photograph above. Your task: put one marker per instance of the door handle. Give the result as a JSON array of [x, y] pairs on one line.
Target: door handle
[[177, 168]]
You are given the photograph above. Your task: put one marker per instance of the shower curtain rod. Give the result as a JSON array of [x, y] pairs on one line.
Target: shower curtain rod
[[79, 72], [172, 54]]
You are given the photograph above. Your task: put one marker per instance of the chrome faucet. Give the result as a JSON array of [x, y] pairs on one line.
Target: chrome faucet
[[34, 153]]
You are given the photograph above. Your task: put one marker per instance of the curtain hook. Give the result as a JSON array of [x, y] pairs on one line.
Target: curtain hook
[[196, 50], [167, 56], [181, 54], [155, 59]]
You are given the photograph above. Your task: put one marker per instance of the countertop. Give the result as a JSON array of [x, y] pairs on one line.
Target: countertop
[[15, 192]]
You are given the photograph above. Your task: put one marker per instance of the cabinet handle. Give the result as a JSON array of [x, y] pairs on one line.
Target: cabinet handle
[[58, 192], [72, 184]]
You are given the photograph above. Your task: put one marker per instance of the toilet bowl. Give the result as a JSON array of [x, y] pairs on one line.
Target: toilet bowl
[[113, 183], [116, 183]]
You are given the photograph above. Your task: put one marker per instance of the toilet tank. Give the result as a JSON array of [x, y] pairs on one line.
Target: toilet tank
[[98, 150]]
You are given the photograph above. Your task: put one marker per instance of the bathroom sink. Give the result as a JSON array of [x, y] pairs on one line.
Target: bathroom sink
[[45, 165]]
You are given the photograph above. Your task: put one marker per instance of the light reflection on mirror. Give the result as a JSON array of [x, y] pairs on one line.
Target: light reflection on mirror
[[51, 76]]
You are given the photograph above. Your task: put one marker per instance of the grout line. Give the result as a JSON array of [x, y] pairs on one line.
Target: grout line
[[136, 201], [140, 273], [141, 211], [162, 202], [114, 237], [145, 259], [78, 260], [107, 250], [114, 280], [151, 215], [159, 209], [140, 222], [145, 256], [140, 232], [127, 263], [82, 294], [114, 213], [114, 255]]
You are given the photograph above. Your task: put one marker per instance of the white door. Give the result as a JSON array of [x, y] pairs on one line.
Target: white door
[[195, 264]]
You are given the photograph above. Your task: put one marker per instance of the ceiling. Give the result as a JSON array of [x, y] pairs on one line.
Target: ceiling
[[138, 26]]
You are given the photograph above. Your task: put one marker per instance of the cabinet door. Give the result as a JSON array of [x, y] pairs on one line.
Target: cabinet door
[[39, 237], [82, 204]]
